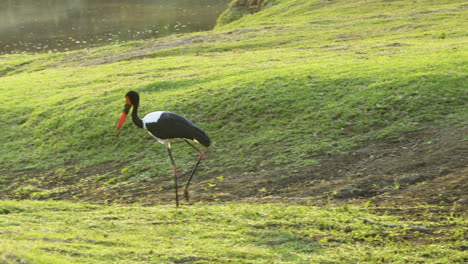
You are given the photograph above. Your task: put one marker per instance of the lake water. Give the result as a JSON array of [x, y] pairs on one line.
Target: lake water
[[59, 25]]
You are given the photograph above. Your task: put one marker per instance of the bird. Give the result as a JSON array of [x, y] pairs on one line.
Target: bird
[[167, 127]]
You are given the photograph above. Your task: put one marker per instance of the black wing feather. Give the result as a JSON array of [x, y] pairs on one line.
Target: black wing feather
[[171, 125]]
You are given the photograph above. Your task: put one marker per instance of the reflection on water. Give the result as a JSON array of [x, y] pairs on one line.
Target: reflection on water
[[60, 25]]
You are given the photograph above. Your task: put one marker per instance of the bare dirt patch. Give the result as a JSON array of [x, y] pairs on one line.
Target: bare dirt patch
[[427, 167], [149, 48]]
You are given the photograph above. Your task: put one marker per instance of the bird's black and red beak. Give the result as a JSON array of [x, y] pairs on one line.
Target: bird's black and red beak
[[128, 105]]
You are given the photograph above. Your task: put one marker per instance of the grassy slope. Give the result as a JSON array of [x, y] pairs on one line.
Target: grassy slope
[[58, 232], [275, 88]]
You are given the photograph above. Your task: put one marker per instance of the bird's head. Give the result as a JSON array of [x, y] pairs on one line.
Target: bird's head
[[132, 99]]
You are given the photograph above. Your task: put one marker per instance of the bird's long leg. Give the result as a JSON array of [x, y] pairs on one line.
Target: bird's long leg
[[201, 155], [168, 146]]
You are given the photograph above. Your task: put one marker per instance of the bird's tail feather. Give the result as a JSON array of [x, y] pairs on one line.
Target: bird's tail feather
[[202, 138]]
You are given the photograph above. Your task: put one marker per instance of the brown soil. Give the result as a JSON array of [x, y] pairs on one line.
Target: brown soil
[[427, 167]]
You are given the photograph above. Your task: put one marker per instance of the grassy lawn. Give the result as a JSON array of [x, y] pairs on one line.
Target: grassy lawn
[[60, 232]]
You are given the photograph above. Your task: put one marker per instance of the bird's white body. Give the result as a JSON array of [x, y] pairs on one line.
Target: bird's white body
[[152, 117]]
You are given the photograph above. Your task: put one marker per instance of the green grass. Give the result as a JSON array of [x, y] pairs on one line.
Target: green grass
[[277, 89], [59, 232]]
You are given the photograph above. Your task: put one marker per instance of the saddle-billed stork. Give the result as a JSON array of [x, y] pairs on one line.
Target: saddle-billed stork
[[167, 127]]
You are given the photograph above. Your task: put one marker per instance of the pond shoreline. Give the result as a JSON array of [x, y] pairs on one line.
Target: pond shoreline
[[57, 26]]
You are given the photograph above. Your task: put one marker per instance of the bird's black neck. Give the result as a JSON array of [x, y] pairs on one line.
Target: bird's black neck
[[136, 120]]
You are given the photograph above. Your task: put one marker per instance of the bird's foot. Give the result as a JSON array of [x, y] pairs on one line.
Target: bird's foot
[[176, 171], [202, 155]]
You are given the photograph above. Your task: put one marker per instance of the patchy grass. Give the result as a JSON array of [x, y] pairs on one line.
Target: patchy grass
[[59, 232], [278, 91]]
